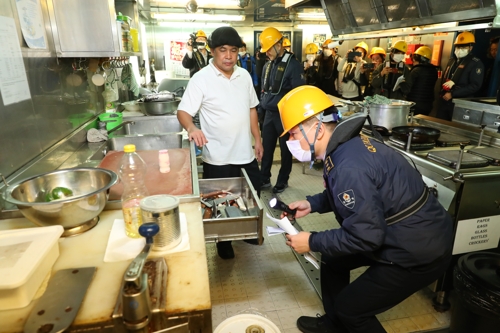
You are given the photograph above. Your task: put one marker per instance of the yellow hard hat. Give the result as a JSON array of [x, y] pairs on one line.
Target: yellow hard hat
[[201, 33], [300, 104], [326, 42], [465, 38], [362, 45], [286, 42], [312, 48], [424, 51], [377, 50], [268, 38], [400, 45]]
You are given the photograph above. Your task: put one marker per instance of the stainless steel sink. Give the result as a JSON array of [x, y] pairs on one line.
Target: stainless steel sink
[[153, 125], [141, 142]]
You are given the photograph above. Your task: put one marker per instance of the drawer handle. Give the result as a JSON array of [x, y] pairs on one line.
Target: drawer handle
[[496, 123], [466, 117]]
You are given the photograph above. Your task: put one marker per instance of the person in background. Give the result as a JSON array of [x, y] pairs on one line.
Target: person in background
[[282, 73], [377, 56], [462, 77], [388, 219], [418, 86], [350, 73], [327, 71], [287, 45], [491, 56], [246, 61], [385, 77], [196, 59], [311, 64], [260, 61], [225, 96]]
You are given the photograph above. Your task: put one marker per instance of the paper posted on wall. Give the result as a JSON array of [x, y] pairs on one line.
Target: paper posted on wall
[[285, 225]]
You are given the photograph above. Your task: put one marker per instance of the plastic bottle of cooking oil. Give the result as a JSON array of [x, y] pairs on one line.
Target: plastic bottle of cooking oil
[[132, 174]]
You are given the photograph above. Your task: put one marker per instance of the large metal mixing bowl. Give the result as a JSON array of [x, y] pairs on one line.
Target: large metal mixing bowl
[[77, 213], [159, 108]]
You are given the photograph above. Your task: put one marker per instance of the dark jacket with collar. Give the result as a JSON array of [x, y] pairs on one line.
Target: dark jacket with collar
[[192, 63], [467, 74], [366, 182], [384, 85], [292, 78]]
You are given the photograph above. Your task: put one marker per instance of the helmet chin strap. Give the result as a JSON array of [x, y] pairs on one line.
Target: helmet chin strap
[[311, 145]]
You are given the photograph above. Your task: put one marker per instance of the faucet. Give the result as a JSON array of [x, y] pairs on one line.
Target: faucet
[[121, 125]]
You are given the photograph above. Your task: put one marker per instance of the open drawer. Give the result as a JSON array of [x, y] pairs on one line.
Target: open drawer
[[248, 226]]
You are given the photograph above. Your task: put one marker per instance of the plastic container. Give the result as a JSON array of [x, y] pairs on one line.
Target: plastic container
[[111, 119], [27, 256], [251, 321], [476, 280], [163, 210], [135, 39], [132, 172]]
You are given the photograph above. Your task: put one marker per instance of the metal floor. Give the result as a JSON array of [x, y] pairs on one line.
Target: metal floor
[[279, 283]]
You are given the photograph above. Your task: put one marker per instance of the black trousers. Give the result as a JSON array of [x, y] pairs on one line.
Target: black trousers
[[271, 131], [234, 170], [445, 109], [351, 307]]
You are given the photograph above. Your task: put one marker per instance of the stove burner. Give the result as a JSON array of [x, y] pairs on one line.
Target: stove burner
[[450, 159], [451, 140], [413, 146], [492, 154]]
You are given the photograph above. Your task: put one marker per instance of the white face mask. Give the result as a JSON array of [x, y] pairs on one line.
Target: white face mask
[[242, 53], [297, 151], [327, 52], [461, 53], [310, 57], [201, 47], [398, 57]]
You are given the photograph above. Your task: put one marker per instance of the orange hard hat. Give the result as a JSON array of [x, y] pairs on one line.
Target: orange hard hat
[[286, 42], [268, 38], [362, 45], [424, 51], [326, 42], [465, 38], [400, 45], [301, 104], [377, 50], [312, 48], [201, 33]]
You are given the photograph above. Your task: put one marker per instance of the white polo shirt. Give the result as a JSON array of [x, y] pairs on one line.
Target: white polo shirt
[[224, 106]]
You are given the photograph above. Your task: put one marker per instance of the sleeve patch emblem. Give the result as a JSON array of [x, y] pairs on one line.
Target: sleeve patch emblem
[[347, 198], [478, 71]]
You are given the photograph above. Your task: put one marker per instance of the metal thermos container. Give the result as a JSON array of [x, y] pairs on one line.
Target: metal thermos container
[[163, 210]]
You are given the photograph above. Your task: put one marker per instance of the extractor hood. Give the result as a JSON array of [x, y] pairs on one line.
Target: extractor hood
[[354, 16]]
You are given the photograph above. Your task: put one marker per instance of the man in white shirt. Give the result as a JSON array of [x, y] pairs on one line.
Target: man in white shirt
[[225, 96]]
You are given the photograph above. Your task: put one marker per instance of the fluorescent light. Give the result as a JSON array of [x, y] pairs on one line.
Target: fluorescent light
[[192, 24], [198, 17], [312, 16]]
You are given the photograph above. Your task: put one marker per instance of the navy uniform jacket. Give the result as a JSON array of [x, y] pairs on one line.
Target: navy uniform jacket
[[369, 181], [292, 78], [471, 79]]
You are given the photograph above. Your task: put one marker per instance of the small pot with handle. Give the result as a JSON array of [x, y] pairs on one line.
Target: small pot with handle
[[390, 115]]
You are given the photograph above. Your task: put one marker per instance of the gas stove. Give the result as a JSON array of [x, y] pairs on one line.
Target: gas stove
[[466, 180]]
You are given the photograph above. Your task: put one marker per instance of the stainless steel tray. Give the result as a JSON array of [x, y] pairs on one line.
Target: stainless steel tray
[[248, 226]]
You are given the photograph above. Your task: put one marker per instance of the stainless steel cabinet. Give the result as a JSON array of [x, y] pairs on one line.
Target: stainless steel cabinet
[[84, 28]]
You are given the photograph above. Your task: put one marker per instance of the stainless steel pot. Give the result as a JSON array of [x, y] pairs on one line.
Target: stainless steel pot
[[159, 108], [390, 115]]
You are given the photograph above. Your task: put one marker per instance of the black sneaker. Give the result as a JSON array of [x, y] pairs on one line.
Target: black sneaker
[[280, 187], [318, 324], [265, 183], [225, 250]]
